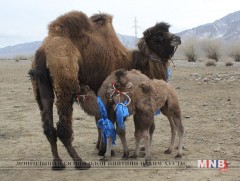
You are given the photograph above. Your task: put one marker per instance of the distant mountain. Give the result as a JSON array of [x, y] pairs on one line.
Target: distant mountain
[[226, 28], [23, 49], [26, 49]]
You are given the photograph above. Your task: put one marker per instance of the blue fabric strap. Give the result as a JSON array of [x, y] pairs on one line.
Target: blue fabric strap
[[158, 112], [169, 72], [106, 126], [121, 114], [107, 129]]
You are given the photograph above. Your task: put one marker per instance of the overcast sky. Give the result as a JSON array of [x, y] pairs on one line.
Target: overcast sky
[[26, 20]]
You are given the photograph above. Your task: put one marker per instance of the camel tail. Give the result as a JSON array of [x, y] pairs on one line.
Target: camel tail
[[40, 77]]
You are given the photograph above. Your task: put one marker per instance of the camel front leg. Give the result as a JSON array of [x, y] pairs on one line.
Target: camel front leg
[[122, 135], [107, 154], [64, 129]]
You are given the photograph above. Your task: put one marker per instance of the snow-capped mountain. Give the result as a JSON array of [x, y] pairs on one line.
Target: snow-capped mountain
[[226, 28]]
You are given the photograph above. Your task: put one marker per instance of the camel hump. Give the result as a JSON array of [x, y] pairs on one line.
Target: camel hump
[[146, 88], [101, 19], [71, 24]]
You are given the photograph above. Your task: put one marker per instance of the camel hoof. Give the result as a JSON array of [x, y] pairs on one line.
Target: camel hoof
[[57, 164], [105, 158], [147, 163], [98, 145], [134, 156], [112, 153], [102, 152], [80, 165], [168, 151], [125, 156], [178, 156]]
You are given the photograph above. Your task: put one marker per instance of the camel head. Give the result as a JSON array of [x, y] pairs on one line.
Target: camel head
[[158, 41]]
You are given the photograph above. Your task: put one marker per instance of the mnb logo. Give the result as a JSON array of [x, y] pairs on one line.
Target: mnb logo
[[221, 164]]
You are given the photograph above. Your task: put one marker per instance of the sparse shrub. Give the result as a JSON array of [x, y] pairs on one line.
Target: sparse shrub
[[211, 62], [21, 57], [229, 63], [235, 51], [212, 49], [189, 49]]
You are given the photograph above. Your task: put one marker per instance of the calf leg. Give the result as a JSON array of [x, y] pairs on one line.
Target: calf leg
[[151, 131], [180, 129], [143, 120], [146, 138], [122, 135], [173, 135], [107, 154]]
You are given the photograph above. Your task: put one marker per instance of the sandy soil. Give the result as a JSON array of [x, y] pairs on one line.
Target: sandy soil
[[209, 98]]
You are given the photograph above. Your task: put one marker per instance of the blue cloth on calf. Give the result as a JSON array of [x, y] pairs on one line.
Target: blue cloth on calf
[[106, 126], [121, 113], [107, 129], [158, 112]]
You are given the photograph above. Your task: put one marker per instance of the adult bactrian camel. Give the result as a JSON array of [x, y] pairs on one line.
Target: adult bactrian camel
[[79, 49]]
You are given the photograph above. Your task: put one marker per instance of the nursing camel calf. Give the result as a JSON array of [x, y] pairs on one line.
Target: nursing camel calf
[[143, 97]]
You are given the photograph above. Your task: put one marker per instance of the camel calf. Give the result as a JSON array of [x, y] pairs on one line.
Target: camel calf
[[144, 97]]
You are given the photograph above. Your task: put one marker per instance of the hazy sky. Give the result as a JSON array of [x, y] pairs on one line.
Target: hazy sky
[[26, 20]]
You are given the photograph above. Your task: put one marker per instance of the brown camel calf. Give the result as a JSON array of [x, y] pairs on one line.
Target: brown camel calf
[[144, 98]]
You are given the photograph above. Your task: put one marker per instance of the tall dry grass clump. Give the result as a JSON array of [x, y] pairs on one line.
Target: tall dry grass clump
[[212, 49], [189, 49], [235, 51]]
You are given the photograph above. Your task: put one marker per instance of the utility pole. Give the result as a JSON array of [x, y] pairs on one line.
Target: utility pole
[[136, 29]]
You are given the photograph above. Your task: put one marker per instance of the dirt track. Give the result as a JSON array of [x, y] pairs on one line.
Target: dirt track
[[209, 98]]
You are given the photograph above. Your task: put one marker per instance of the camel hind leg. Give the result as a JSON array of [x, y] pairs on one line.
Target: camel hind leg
[[46, 100], [180, 129], [43, 91], [174, 117], [173, 135]]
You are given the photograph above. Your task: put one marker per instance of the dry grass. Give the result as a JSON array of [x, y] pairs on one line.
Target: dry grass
[[210, 62]]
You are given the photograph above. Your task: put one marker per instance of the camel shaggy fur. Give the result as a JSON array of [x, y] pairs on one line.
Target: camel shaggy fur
[[85, 50], [147, 96]]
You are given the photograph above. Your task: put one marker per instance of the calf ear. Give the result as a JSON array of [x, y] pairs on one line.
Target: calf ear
[[129, 85], [146, 88]]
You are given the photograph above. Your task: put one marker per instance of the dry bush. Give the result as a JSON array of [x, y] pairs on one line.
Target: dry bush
[[235, 51], [212, 49], [189, 49], [229, 63], [22, 57], [211, 62]]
